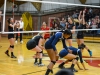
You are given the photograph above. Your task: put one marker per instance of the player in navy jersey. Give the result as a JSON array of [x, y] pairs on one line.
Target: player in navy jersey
[[70, 26], [11, 26], [50, 47], [36, 44], [75, 51], [80, 34]]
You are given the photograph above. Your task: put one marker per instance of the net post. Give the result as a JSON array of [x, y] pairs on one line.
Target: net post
[[4, 12]]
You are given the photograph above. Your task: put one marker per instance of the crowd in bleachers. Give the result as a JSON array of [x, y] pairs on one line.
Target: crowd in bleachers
[[92, 20]]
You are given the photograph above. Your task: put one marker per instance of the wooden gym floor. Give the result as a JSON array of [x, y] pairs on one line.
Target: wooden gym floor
[[9, 66]]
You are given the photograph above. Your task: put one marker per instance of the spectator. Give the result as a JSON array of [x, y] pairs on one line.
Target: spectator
[[74, 16], [20, 28], [62, 23]]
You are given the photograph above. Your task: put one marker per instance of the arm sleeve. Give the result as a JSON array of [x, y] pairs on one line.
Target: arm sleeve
[[64, 44], [80, 56], [54, 42]]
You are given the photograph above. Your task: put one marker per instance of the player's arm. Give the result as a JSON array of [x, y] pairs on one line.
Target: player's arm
[[73, 29], [40, 44], [79, 17], [54, 42], [64, 44], [81, 60]]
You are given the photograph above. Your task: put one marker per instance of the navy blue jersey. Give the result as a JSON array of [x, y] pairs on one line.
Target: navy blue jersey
[[76, 51], [54, 40]]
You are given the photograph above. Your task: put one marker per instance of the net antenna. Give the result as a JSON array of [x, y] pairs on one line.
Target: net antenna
[[4, 12], [70, 4]]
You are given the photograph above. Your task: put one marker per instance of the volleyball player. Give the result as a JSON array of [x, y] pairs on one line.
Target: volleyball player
[[36, 44], [75, 51], [80, 34], [70, 26], [11, 26], [52, 51]]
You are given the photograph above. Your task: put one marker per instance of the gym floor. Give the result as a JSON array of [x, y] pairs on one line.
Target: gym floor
[[9, 66]]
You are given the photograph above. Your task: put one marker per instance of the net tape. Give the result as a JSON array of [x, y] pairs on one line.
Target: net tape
[[45, 31]]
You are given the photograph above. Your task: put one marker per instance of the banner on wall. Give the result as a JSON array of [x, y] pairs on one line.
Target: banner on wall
[[83, 1], [27, 18], [37, 5]]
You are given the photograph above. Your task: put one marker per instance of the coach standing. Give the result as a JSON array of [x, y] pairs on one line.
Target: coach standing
[[21, 28]]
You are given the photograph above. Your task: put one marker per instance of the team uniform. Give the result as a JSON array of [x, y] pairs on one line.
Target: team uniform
[[70, 27], [80, 34], [33, 42], [47, 34], [78, 52], [10, 35], [50, 44], [75, 51]]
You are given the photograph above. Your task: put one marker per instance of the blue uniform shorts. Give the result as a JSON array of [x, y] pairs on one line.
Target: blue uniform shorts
[[63, 53]]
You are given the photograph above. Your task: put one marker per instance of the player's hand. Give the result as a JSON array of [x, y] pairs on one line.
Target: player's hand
[[80, 12], [85, 69], [83, 12], [80, 68]]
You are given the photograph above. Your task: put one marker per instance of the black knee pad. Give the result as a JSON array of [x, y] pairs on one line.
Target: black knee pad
[[77, 58], [53, 62], [40, 52], [11, 46], [82, 46], [70, 60]]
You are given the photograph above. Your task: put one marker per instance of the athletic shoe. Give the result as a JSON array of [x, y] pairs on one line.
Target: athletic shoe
[[36, 63], [90, 53], [13, 56], [16, 41], [74, 70], [61, 67], [40, 65], [21, 42], [7, 54]]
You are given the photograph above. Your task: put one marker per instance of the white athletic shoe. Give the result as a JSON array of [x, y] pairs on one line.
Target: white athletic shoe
[[16, 42], [36, 63], [40, 65], [21, 42]]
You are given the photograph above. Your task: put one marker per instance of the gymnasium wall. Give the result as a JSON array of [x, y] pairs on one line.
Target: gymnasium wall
[[35, 20]]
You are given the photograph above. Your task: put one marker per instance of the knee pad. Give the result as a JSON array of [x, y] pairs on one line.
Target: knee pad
[[82, 46], [70, 60], [53, 62], [77, 58], [11, 46], [40, 52]]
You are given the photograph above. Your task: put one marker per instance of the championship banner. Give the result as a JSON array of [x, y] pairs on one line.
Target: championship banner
[[27, 18], [37, 5], [83, 1]]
